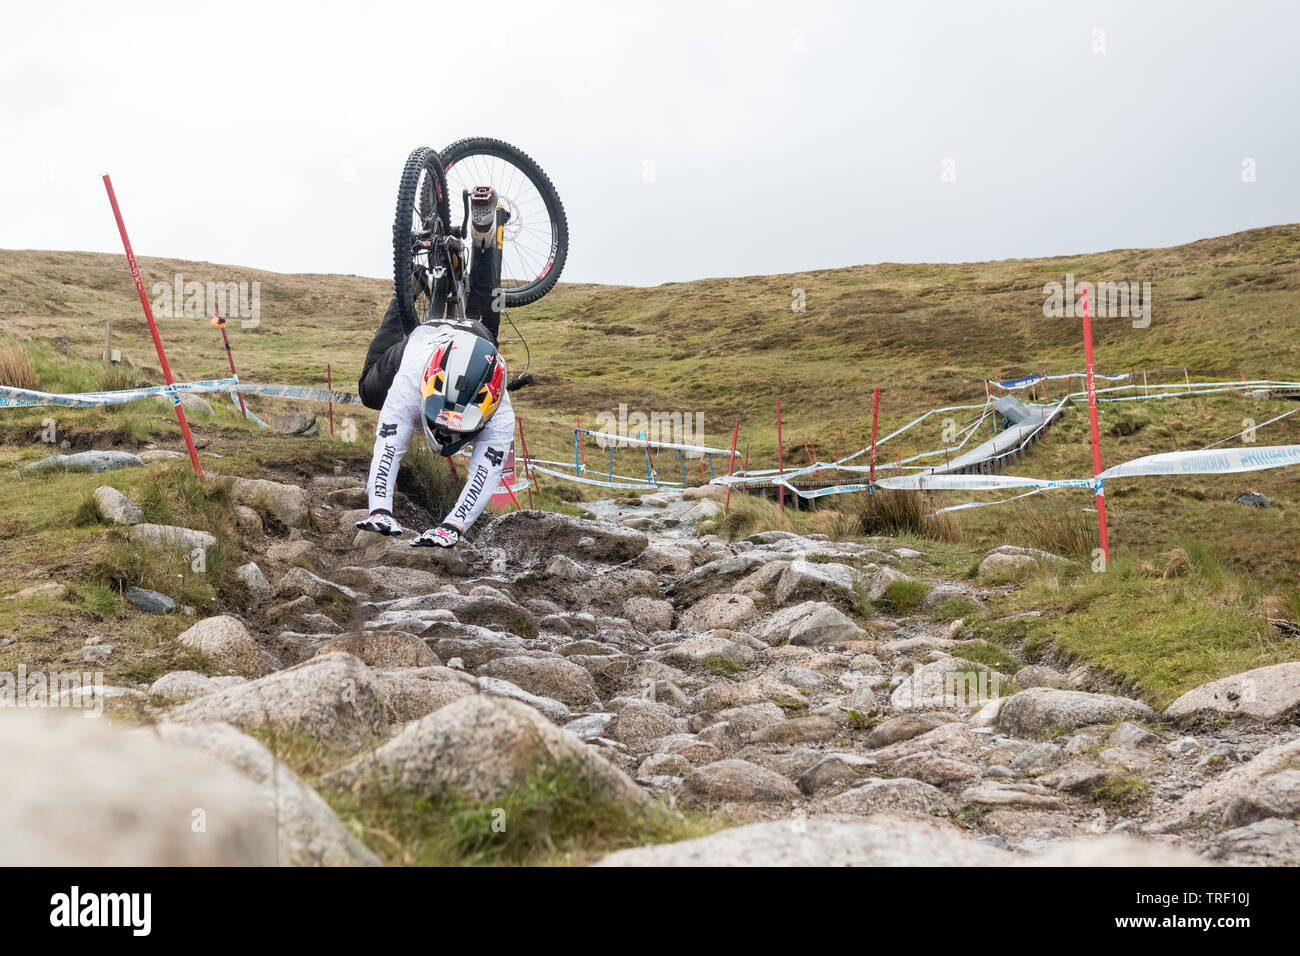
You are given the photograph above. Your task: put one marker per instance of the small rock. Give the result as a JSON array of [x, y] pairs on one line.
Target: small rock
[[117, 507], [151, 602], [898, 729], [482, 747], [227, 642], [826, 625], [832, 770], [554, 677], [383, 649], [299, 423], [1274, 795], [253, 578], [1003, 794], [901, 795], [92, 461], [168, 536], [1253, 499], [1265, 693], [649, 614], [739, 781], [288, 504], [719, 611], [1129, 734], [52, 590], [1039, 711]]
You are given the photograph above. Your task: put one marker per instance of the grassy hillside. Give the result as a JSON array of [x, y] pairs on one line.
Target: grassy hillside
[[927, 334]]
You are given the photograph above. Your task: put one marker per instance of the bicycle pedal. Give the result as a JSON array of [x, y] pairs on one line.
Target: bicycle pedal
[[482, 215]]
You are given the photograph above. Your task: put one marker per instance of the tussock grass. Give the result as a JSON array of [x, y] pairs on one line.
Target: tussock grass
[[836, 525], [88, 512], [1122, 793], [16, 369], [902, 597], [1069, 531], [953, 608], [749, 514], [897, 513], [990, 655], [116, 378], [97, 599]]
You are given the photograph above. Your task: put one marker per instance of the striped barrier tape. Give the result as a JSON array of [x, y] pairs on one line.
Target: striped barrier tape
[[643, 486], [620, 441], [1222, 462], [11, 397]]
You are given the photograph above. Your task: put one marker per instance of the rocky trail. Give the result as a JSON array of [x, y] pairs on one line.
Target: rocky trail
[[751, 682]]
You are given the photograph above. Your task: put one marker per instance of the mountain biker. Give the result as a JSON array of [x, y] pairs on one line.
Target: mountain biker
[[447, 376]]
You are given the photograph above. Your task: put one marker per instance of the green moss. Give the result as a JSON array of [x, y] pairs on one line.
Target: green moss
[[720, 665], [953, 608], [558, 815], [902, 597], [990, 655], [1122, 793]]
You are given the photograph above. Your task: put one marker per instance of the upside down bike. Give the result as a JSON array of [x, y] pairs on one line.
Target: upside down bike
[[508, 250]]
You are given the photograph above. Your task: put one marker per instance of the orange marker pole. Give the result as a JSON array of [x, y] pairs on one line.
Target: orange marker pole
[[220, 322]]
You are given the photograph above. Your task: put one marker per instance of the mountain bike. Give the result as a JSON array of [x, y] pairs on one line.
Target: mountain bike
[[508, 250]]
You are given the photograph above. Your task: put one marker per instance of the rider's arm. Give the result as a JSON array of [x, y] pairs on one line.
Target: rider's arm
[[397, 420], [491, 447]]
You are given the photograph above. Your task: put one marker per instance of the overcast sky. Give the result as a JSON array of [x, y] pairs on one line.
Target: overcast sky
[[780, 136]]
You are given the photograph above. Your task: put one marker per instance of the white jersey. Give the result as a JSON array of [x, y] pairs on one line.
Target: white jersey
[[400, 418]]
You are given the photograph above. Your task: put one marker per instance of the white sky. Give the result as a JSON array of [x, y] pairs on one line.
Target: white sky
[[784, 136]]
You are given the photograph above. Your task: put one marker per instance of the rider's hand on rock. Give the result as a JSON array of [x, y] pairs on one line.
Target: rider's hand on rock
[[443, 536], [381, 523]]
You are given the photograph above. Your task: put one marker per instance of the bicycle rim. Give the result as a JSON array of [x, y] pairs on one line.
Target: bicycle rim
[[532, 234]]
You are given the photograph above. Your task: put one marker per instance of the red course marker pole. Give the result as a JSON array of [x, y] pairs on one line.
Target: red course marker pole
[[731, 464], [780, 457], [528, 472], [153, 326], [1096, 437]]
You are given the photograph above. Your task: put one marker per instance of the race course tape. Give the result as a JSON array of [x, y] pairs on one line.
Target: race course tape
[[11, 397], [642, 486], [1221, 462]]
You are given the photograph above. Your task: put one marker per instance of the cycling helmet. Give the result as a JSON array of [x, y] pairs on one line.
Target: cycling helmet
[[463, 385]]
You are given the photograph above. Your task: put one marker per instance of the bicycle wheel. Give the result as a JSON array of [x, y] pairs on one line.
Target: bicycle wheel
[[419, 226], [537, 232]]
